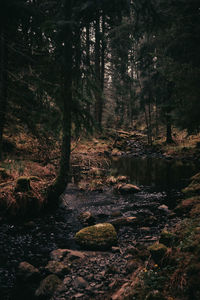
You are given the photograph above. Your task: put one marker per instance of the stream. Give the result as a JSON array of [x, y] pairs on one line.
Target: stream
[[160, 181]]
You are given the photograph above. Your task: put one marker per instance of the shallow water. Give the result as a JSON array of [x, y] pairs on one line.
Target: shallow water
[[157, 173]]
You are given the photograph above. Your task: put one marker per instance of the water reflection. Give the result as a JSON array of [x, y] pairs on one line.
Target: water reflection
[[160, 174]]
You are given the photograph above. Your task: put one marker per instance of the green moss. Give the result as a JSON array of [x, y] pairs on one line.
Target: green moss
[[157, 251], [100, 236]]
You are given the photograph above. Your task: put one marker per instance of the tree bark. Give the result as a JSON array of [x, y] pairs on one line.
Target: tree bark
[[63, 176], [3, 84], [98, 96]]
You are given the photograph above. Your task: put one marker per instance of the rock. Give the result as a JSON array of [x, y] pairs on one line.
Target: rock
[[58, 254], [127, 189], [111, 180], [125, 221], [97, 237], [57, 268], [23, 184], [116, 214], [164, 208], [73, 255], [158, 252], [122, 179], [167, 238], [27, 272], [80, 283], [48, 286], [86, 218]]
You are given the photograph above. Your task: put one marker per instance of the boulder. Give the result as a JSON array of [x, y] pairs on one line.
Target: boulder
[[47, 287], [27, 272], [80, 283], [158, 252], [58, 254], [86, 218], [127, 189], [97, 237], [164, 208], [23, 184], [57, 268]]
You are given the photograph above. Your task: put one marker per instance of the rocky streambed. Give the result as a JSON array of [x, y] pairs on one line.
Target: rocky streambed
[[138, 219]]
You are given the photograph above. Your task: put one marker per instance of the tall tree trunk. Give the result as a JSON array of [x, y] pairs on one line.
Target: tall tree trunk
[[103, 47], [88, 61], [62, 179], [3, 84], [98, 96]]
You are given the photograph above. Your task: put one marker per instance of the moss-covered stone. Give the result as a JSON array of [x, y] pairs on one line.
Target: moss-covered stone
[[157, 251], [98, 237], [57, 268], [168, 238], [47, 287], [23, 184]]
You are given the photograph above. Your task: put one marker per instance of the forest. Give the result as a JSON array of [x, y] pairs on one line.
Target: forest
[[100, 149]]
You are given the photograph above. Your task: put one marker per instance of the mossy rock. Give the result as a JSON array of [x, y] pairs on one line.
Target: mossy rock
[[168, 238], [57, 268], [158, 252], [97, 237], [23, 184], [47, 287]]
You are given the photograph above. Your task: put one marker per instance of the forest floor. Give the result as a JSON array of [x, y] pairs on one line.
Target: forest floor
[[131, 270]]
